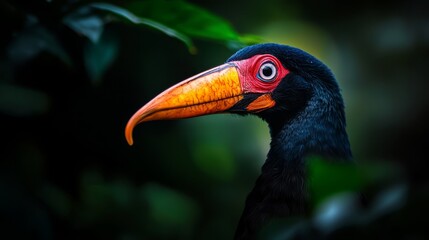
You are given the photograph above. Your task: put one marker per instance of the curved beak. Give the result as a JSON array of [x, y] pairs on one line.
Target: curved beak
[[212, 91]]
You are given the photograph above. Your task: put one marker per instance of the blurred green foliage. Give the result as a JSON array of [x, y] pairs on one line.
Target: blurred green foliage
[[328, 179], [72, 73]]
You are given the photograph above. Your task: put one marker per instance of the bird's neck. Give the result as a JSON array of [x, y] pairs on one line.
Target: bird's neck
[[281, 189], [317, 130]]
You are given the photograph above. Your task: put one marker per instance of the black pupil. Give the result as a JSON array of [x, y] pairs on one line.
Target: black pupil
[[267, 71]]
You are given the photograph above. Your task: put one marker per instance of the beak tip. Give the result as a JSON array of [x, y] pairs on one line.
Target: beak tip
[[129, 139], [129, 133]]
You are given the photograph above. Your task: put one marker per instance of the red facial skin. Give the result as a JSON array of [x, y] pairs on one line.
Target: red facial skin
[[248, 73]]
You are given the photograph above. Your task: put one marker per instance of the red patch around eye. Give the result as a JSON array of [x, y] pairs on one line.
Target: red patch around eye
[[248, 72]]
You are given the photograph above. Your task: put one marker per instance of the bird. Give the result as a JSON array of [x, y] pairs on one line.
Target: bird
[[298, 97]]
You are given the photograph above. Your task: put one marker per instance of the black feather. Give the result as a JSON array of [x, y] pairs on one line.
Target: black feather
[[308, 119]]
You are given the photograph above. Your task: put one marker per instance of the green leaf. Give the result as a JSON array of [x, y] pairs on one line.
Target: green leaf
[[186, 18], [86, 23], [181, 20], [99, 56], [21, 101], [33, 40], [130, 17]]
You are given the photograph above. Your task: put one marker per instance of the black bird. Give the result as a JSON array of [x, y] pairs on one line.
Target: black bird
[[299, 98]]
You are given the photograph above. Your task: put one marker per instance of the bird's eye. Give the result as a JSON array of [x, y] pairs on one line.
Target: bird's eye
[[267, 72]]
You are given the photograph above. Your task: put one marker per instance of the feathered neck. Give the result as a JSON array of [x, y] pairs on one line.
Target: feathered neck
[[281, 189]]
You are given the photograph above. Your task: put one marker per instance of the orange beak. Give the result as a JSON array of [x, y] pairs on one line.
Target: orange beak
[[212, 91]]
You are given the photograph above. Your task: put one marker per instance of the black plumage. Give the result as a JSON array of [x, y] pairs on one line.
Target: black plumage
[[308, 119]]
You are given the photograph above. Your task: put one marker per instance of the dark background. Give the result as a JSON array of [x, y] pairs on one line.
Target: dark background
[[66, 171]]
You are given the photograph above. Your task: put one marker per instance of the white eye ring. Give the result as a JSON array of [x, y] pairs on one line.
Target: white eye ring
[[267, 72]]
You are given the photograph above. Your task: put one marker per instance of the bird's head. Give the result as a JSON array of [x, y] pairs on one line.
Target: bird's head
[[271, 81]]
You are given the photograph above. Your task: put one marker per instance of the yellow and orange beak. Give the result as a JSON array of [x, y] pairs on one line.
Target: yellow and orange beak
[[212, 91]]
